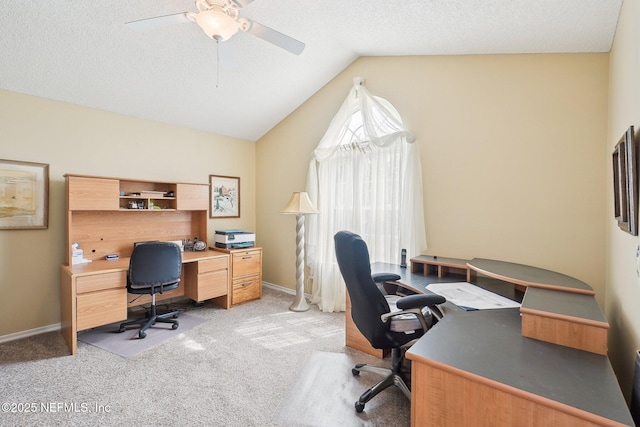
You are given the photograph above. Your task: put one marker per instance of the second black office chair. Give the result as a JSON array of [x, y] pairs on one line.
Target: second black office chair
[[154, 267], [371, 313]]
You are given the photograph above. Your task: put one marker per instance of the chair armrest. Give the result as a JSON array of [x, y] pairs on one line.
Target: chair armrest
[[384, 277], [414, 311], [419, 301], [413, 304]]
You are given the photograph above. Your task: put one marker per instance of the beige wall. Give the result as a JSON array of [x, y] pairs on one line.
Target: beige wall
[[511, 149], [623, 283], [73, 139]]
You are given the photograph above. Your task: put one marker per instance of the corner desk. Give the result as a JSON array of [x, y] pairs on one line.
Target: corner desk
[[490, 368]]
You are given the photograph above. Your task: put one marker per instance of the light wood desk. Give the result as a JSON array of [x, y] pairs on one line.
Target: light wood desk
[[478, 368], [95, 294], [107, 215]]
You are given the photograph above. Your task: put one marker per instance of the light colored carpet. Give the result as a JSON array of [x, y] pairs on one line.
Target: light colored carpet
[[127, 343], [325, 392], [236, 369]]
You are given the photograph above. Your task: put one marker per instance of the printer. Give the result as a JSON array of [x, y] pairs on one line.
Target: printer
[[234, 239]]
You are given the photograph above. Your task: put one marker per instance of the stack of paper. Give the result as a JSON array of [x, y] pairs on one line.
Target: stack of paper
[[471, 297]]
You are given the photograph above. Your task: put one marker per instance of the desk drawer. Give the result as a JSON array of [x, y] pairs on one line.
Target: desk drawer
[[246, 290], [101, 308], [247, 262], [213, 284], [99, 282], [215, 264]]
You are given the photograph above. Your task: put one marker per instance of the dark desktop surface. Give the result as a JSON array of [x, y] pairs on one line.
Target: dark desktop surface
[[489, 344], [418, 282]]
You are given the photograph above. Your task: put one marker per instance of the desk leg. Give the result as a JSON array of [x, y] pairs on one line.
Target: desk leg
[[68, 312], [471, 275]]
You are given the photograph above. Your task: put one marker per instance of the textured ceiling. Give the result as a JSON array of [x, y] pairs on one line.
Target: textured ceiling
[[81, 52]]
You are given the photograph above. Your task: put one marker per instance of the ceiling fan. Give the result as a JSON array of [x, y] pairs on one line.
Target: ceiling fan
[[220, 20]]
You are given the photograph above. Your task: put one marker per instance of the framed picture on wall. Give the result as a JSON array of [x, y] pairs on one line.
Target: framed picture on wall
[[224, 201], [625, 185], [24, 195]]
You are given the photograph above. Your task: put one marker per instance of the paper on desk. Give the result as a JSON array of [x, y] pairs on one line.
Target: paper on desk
[[471, 297]]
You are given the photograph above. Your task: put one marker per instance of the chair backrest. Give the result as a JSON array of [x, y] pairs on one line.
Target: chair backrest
[[367, 301], [154, 264]]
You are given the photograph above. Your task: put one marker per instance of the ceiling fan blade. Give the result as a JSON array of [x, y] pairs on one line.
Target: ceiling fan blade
[[277, 38], [149, 24], [242, 3]]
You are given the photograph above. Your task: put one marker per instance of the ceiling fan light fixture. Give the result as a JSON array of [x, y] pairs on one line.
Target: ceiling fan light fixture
[[217, 24], [220, 20]]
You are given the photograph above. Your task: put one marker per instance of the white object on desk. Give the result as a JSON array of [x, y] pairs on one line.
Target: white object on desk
[[471, 297], [77, 255]]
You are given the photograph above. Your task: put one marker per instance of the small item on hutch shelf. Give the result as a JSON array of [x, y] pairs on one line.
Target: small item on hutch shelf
[[136, 204], [195, 245], [112, 256], [234, 239], [77, 255]]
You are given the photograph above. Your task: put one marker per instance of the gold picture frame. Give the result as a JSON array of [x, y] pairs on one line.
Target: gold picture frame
[[24, 195], [224, 199]]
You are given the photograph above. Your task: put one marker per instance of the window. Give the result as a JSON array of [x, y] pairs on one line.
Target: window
[[365, 177]]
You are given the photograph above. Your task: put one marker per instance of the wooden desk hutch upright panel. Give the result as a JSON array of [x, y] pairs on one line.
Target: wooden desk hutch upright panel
[[101, 219]]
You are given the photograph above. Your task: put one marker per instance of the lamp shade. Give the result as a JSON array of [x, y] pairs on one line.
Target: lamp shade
[[300, 204]]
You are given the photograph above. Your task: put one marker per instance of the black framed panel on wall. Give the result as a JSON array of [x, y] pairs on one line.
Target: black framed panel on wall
[[625, 184]]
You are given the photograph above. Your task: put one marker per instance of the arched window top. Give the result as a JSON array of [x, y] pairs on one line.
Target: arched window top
[[354, 130], [363, 119]]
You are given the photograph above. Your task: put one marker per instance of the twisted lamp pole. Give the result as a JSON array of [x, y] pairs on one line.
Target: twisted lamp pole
[[300, 205]]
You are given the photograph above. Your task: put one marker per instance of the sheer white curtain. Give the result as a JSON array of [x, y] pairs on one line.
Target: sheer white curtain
[[365, 177]]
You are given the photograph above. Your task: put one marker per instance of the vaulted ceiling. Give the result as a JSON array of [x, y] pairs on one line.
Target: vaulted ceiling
[[82, 52]]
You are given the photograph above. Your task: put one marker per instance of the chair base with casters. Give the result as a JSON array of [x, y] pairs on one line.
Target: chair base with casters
[[392, 377], [423, 313], [152, 319]]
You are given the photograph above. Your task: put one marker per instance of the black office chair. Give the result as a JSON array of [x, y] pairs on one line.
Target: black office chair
[[154, 267], [371, 313]]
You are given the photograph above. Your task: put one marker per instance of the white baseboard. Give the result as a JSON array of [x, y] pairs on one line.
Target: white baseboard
[[30, 332], [279, 288]]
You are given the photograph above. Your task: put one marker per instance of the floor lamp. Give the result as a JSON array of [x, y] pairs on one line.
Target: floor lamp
[[300, 205]]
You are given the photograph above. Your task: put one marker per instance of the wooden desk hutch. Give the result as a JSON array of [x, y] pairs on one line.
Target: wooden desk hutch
[[108, 215]]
